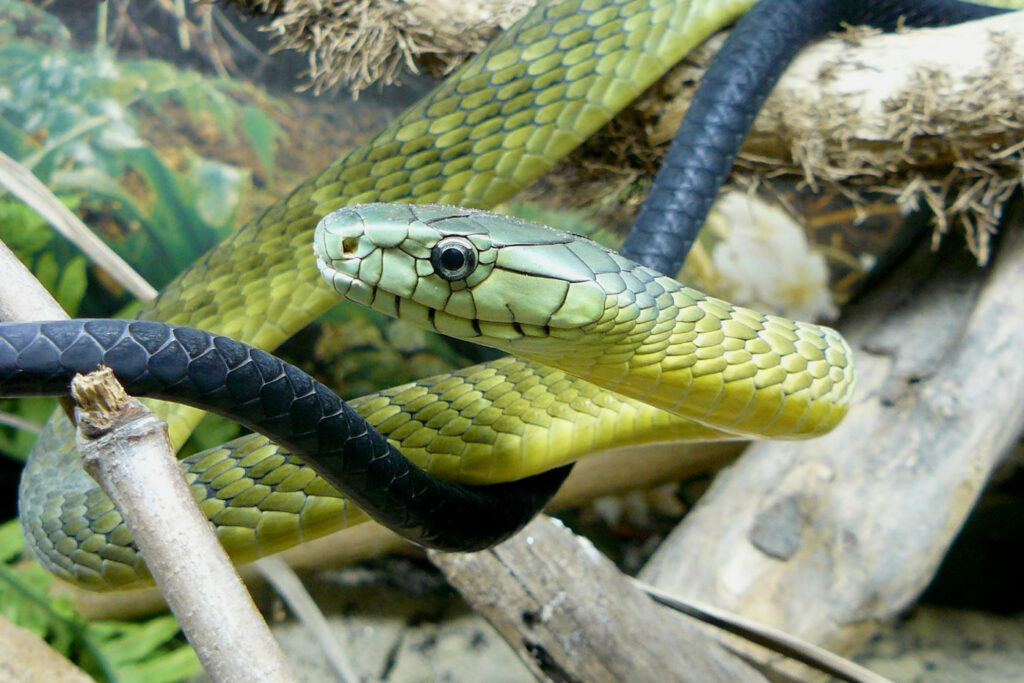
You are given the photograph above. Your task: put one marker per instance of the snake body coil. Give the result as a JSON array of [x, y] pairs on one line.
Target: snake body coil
[[505, 118], [274, 398]]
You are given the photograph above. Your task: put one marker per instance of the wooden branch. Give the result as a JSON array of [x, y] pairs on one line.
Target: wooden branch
[[572, 616], [125, 448], [902, 113], [872, 102], [825, 538], [22, 298], [888, 102]]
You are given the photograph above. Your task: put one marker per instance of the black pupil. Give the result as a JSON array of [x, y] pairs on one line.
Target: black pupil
[[453, 259]]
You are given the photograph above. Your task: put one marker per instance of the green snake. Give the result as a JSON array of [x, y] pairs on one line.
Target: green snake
[[564, 301], [504, 119]]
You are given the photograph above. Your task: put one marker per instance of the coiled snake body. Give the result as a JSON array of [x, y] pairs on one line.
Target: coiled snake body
[[504, 119]]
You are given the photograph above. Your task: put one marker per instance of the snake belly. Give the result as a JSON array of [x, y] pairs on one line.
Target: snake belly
[[501, 121]]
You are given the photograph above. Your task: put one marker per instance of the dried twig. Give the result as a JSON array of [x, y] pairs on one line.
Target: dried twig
[[18, 422], [287, 584], [766, 636], [125, 448]]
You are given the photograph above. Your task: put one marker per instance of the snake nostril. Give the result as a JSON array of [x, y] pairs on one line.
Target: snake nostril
[[348, 245]]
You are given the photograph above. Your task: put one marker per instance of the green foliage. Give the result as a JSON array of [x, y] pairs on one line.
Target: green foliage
[[77, 120], [80, 121], [54, 262], [149, 651]]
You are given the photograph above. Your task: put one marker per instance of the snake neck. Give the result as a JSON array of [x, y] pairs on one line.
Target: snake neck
[[725, 366]]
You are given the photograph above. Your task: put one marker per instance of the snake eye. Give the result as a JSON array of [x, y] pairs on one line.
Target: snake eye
[[453, 258]]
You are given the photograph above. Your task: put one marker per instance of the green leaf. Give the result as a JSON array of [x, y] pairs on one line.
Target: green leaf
[[150, 650], [46, 270], [71, 287], [263, 133], [175, 665], [11, 540], [23, 230], [128, 642], [218, 189], [13, 141]]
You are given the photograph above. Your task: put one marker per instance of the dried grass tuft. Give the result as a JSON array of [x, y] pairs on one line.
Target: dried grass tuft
[[356, 43]]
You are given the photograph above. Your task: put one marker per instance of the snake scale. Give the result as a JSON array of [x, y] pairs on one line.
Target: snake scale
[[506, 117]]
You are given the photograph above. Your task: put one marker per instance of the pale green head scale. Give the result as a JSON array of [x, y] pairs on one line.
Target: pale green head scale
[[465, 273]]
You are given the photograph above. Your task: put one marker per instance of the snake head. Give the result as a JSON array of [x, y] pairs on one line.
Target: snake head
[[465, 273]]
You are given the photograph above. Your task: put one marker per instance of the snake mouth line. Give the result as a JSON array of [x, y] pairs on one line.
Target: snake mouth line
[[492, 333], [351, 287], [358, 291]]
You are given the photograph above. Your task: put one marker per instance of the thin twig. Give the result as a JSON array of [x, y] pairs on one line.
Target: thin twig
[[766, 636], [125, 448], [21, 183], [102, 13], [287, 584], [18, 422], [183, 37]]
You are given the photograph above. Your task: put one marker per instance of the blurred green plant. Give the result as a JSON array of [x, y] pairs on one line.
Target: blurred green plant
[[75, 119], [62, 270], [147, 651]]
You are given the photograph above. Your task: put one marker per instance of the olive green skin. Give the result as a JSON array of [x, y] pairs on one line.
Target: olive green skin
[[566, 301], [501, 121]]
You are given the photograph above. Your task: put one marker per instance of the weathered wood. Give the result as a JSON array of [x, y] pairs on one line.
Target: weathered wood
[[901, 113], [867, 103], [24, 656], [572, 616], [825, 538], [125, 448]]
